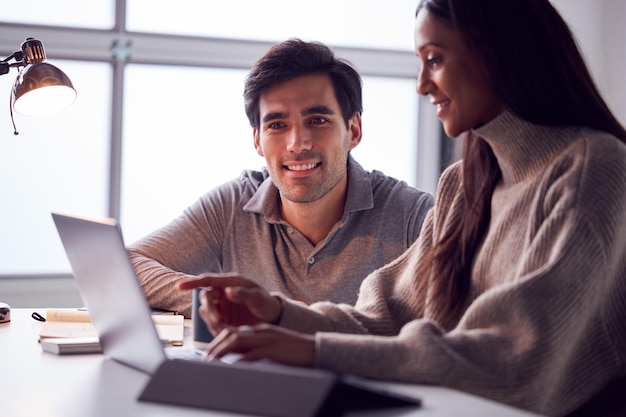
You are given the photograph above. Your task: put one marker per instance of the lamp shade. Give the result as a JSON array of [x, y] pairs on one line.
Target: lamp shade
[[41, 88]]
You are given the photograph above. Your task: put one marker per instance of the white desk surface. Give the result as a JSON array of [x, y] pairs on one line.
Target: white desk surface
[[39, 384]]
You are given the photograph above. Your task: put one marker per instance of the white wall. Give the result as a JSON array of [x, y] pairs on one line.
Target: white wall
[[614, 48], [599, 28]]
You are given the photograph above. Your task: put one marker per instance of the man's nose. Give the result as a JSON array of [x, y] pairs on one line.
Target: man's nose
[[299, 140]]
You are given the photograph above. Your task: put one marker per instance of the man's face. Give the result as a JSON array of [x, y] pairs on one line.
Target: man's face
[[304, 138]]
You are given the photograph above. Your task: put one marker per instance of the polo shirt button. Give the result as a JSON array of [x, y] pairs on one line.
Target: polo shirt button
[[311, 260], [289, 230]]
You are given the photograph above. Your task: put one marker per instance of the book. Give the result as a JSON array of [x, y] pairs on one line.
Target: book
[[71, 345], [76, 323]]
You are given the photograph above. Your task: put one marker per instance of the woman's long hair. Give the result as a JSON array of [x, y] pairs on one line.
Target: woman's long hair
[[533, 63]]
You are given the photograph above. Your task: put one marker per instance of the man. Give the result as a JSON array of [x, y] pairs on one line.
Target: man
[[312, 224]]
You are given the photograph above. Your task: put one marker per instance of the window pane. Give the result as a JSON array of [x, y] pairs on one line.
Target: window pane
[[57, 162], [186, 132], [359, 23], [97, 14], [389, 141]]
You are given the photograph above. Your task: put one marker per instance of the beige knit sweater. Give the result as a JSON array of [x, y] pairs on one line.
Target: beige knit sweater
[[546, 328]]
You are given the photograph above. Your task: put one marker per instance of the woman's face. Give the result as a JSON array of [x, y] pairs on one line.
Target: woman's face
[[452, 78]]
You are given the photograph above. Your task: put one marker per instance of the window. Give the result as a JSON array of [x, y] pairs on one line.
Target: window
[[98, 14], [380, 24], [179, 142], [57, 162]]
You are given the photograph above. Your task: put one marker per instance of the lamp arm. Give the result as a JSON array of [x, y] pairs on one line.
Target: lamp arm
[[5, 65]]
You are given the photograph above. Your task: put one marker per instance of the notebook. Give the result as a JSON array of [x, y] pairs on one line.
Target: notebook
[[112, 294], [122, 318]]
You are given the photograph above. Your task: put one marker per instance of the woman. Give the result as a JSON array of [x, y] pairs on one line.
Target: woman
[[516, 289]]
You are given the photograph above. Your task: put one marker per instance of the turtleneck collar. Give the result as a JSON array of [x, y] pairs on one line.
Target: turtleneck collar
[[522, 147]]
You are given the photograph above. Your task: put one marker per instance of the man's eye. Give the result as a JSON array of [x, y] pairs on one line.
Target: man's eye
[[275, 125], [318, 120]]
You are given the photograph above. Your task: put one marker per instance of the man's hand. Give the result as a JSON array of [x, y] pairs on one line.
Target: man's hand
[[231, 300]]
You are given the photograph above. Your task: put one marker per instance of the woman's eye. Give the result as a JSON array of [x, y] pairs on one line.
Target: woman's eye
[[433, 60]]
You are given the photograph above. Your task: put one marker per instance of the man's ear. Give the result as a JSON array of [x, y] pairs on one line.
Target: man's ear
[[355, 130], [257, 142]]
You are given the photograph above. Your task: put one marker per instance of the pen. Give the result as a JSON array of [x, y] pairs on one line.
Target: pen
[[38, 316]]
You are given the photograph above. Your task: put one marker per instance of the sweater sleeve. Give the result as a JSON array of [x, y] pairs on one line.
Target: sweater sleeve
[[189, 245]]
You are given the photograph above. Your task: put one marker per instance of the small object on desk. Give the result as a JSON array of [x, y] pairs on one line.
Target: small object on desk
[[72, 323], [71, 345], [38, 317], [66, 323], [5, 313], [163, 311], [201, 334]]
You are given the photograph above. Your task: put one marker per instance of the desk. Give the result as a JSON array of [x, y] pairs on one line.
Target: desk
[[41, 384]]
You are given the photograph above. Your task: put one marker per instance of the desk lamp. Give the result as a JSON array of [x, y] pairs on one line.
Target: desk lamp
[[40, 88]]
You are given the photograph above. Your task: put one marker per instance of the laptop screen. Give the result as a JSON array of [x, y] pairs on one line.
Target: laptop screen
[[110, 290]]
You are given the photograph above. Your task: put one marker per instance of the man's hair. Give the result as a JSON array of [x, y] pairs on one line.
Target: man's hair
[[295, 58]]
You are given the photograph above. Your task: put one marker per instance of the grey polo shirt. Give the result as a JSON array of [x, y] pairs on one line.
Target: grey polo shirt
[[237, 227]]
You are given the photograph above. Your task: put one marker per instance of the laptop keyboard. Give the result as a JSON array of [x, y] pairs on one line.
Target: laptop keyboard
[[174, 352], [178, 352]]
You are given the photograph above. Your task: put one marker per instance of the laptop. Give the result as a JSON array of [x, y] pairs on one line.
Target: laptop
[[122, 318], [112, 294]]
